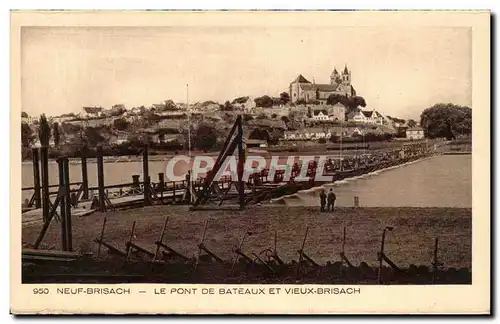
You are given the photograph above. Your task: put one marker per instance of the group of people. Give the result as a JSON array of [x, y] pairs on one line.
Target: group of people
[[327, 201]]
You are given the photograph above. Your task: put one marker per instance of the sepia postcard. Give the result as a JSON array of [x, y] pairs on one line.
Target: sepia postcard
[[250, 162]]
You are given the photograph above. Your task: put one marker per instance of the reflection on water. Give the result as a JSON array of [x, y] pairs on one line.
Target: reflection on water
[[440, 181]]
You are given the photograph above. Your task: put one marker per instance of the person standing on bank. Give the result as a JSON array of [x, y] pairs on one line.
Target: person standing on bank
[[331, 200], [322, 200]]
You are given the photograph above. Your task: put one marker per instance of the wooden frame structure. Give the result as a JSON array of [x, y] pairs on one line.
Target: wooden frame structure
[[233, 141]]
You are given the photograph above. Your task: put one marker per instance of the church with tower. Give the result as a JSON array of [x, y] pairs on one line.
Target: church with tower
[[304, 90]]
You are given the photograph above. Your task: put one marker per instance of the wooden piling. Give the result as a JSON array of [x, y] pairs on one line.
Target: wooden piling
[[241, 163], [44, 157], [161, 184], [160, 239], [435, 261], [200, 246], [67, 205], [135, 180], [101, 237], [100, 180], [129, 246], [62, 204], [301, 251], [173, 192], [145, 171], [381, 254], [85, 177], [36, 178]]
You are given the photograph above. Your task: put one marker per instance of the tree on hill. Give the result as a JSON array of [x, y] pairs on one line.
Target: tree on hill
[[117, 110], [227, 106], [70, 128], [121, 124], [264, 101], [56, 134], [333, 99], [284, 98], [205, 137], [309, 112], [92, 137], [411, 123], [44, 131], [27, 136], [446, 120], [260, 134], [170, 105], [240, 100], [350, 103]]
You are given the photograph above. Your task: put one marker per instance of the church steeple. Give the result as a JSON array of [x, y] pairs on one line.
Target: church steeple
[[346, 71], [334, 76]]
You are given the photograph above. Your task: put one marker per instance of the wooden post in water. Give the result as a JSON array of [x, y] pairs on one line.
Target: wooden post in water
[[356, 201], [173, 192], [36, 178], [67, 205], [44, 157], [161, 184], [85, 177], [100, 180], [135, 180], [145, 170], [62, 204]]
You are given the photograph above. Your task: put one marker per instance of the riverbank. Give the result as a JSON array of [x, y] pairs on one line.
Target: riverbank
[[285, 149], [410, 243]]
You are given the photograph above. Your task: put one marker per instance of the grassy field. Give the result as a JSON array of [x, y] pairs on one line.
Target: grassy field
[[411, 241]]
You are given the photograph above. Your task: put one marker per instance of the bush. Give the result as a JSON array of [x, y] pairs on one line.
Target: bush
[[264, 101], [247, 117], [121, 124], [205, 137]]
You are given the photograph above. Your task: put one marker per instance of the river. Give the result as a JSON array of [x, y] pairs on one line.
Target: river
[[438, 181]]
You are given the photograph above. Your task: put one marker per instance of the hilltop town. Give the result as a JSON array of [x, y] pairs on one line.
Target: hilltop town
[[308, 113]]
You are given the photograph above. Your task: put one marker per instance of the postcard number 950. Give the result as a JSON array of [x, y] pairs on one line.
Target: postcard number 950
[[41, 291]]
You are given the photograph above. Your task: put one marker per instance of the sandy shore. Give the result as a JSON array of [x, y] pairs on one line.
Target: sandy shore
[[411, 241]]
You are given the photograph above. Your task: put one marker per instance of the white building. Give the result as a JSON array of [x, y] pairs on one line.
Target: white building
[[415, 133], [320, 115], [366, 116], [246, 104], [93, 111], [329, 113], [28, 120]]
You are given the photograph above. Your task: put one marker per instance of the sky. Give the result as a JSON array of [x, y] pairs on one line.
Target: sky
[[399, 71]]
